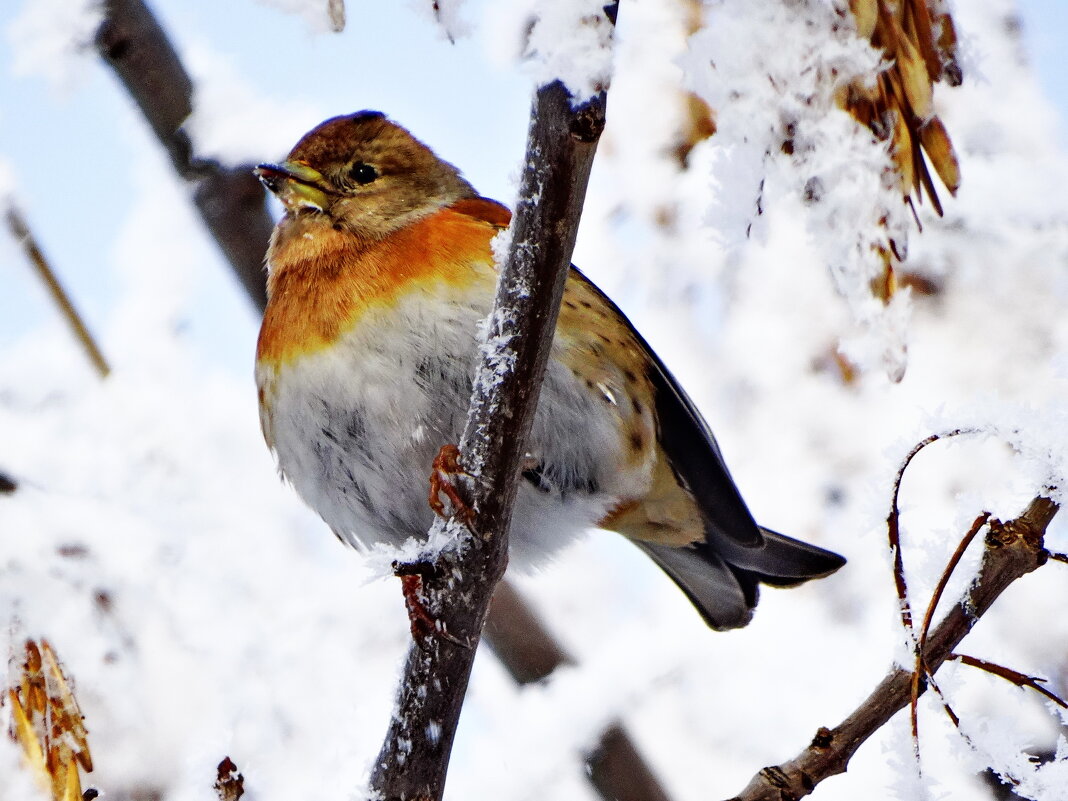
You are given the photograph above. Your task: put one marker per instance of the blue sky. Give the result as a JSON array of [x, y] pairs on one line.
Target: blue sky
[[75, 150]]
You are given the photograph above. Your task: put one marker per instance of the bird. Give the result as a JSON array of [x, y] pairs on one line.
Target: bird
[[380, 271]]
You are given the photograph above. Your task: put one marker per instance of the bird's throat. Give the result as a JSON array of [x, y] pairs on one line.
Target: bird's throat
[[323, 281]]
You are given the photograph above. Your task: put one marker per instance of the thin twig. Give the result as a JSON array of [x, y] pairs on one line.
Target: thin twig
[[1014, 676], [24, 236], [1013, 549], [921, 672], [893, 526]]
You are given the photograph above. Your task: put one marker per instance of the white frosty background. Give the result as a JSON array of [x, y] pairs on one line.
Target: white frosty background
[[203, 612]]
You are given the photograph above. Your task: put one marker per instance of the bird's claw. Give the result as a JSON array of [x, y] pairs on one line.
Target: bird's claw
[[423, 623], [445, 465]]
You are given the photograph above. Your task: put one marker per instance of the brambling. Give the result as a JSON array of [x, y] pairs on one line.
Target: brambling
[[380, 271]]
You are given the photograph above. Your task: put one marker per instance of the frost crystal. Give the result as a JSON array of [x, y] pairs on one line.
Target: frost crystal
[[770, 71], [572, 42]]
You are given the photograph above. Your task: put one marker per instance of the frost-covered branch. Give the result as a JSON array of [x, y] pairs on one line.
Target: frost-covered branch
[[1013, 550], [456, 590], [230, 200]]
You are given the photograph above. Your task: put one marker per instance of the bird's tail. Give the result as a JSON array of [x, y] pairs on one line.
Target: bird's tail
[[725, 587]]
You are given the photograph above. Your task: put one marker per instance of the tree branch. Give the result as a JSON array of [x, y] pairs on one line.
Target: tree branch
[[1013, 549], [230, 200], [560, 149]]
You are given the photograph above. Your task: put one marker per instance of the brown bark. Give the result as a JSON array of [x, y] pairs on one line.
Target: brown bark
[[1013, 550], [415, 755], [230, 200]]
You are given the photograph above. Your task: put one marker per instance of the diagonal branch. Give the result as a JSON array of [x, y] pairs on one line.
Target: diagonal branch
[[1013, 550], [231, 201], [560, 149], [28, 242]]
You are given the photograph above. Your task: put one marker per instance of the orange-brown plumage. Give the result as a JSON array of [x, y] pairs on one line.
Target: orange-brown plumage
[[321, 285]]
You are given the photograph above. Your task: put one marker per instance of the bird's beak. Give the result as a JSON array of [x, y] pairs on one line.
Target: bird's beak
[[295, 184]]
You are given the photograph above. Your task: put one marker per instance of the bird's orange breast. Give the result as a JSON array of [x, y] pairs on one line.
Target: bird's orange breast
[[323, 280]]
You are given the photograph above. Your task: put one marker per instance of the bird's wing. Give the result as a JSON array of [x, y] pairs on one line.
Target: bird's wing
[[691, 450], [693, 453]]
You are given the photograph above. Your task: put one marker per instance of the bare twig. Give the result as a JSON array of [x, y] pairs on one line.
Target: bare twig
[[415, 755], [24, 236], [1013, 549], [921, 672], [893, 526], [1014, 676], [954, 560], [230, 200]]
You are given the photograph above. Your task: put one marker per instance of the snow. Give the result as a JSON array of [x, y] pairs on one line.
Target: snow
[[448, 14], [202, 612], [232, 122], [54, 38], [319, 15], [785, 138], [571, 42]]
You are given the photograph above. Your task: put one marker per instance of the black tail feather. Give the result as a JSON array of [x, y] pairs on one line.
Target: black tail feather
[[725, 589]]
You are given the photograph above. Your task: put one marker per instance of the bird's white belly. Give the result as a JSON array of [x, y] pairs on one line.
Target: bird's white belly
[[356, 428]]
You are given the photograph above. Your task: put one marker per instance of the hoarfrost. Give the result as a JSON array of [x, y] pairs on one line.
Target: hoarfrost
[[770, 72], [572, 42]]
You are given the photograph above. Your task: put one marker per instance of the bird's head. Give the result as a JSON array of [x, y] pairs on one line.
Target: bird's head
[[364, 174]]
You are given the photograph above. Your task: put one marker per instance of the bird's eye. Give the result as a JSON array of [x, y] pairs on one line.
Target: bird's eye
[[362, 173]]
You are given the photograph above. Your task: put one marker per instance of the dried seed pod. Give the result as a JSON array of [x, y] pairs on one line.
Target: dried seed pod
[[919, 30], [939, 150], [914, 78], [48, 724], [884, 285], [902, 153]]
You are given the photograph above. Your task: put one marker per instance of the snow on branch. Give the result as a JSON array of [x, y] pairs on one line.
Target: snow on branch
[[1013, 549], [454, 591]]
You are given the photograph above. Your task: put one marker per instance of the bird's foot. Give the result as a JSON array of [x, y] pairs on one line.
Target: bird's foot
[[447, 464], [423, 623]]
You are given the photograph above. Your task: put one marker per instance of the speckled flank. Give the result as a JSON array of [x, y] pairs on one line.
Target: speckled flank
[[599, 348]]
